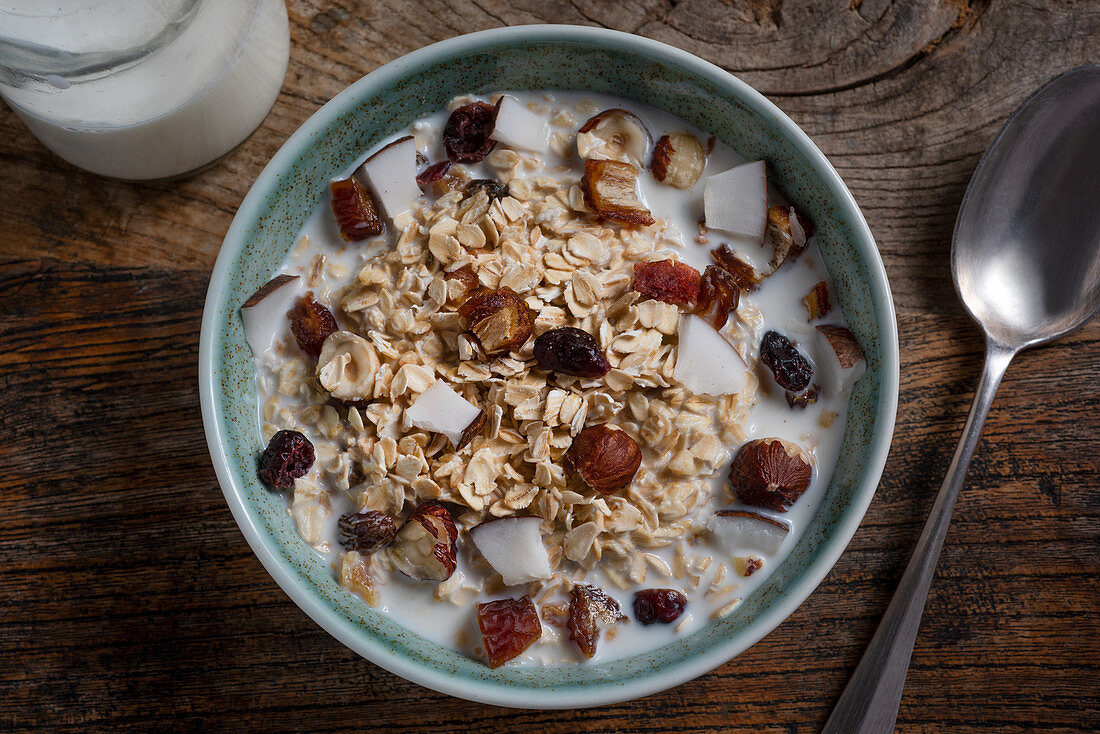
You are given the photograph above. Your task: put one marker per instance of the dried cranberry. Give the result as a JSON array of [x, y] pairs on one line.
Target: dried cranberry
[[367, 531], [668, 281], [719, 294], [288, 455], [508, 627], [493, 189], [466, 134], [311, 323], [792, 371], [432, 173], [658, 605], [589, 604], [571, 351], [356, 215]]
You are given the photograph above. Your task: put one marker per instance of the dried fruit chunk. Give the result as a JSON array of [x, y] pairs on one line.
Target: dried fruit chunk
[[817, 301], [678, 160], [571, 351], [366, 532], [792, 371], [662, 606], [786, 232], [801, 399], [615, 134], [500, 319], [741, 272], [311, 323], [610, 190], [288, 455], [606, 458], [466, 136], [424, 548], [770, 473], [508, 627], [355, 577], [668, 281], [356, 215], [719, 295], [587, 606], [493, 189], [439, 179]]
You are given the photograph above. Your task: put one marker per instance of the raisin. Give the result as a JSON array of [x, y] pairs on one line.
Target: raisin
[[493, 189], [466, 134], [658, 605], [311, 323], [508, 627], [467, 277], [288, 455], [356, 215], [366, 532], [589, 604], [571, 351], [668, 281], [743, 273], [792, 371], [719, 295]]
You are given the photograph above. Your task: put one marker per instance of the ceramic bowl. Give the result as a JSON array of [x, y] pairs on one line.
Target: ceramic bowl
[[522, 58]]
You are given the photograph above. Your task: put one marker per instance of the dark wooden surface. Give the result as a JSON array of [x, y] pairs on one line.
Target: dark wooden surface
[[130, 601]]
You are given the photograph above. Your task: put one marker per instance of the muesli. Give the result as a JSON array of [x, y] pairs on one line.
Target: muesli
[[551, 377]]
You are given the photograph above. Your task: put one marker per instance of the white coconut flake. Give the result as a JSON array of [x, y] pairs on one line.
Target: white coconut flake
[[441, 410]]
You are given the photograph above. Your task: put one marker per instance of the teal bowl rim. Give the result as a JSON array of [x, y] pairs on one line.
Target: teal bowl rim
[[515, 691]]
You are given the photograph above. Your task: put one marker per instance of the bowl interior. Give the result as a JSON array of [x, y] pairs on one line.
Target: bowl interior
[[548, 57]]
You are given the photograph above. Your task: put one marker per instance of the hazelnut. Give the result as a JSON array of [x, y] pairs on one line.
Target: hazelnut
[[770, 473], [500, 319], [615, 134], [606, 458], [678, 160], [424, 547]]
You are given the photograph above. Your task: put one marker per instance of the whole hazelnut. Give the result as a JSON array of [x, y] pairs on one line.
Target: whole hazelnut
[[606, 458], [770, 473]]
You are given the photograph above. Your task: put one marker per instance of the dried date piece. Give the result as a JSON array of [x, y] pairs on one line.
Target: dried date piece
[[366, 532], [589, 605], [571, 351], [662, 606], [500, 319], [466, 136], [311, 323], [817, 301], [742, 273], [787, 233], [719, 295], [610, 190], [508, 627], [668, 281], [792, 371], [493, 189], [288, 456], [356, 215]]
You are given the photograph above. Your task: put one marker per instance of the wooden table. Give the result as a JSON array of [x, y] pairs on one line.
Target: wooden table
[[130, 601]]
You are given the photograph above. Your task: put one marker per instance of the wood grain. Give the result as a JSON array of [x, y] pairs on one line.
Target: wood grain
[[130, 601]]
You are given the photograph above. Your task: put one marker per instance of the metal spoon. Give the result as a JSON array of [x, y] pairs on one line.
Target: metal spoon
[[1026, 263]]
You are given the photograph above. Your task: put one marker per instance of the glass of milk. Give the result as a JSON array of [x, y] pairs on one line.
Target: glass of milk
[[142, 89]]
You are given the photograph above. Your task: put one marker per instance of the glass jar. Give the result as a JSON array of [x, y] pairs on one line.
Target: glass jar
[[142, 89]]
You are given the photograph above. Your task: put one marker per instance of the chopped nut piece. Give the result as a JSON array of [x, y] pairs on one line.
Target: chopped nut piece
[[817, 301], [610, 190], [424, 547], [786, 233], [615, 134], [678, 160]]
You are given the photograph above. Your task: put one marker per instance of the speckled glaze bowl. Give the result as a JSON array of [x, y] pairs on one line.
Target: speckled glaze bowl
[[521, 58]]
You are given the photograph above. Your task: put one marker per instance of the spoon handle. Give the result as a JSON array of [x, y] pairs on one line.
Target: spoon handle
[[869, 704]]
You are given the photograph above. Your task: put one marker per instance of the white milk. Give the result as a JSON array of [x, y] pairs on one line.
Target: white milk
[[175, 110], [411, 604]]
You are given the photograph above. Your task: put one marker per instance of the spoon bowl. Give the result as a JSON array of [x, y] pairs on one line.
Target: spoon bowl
[[1026, 250], [1026, 264]]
